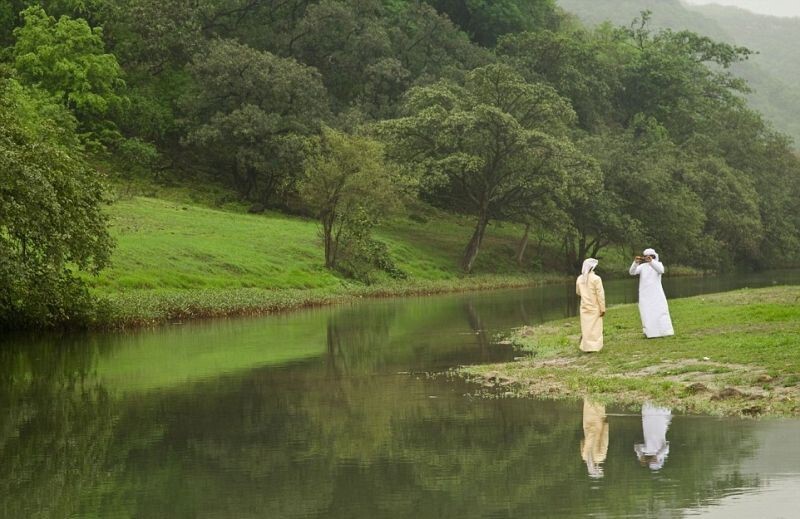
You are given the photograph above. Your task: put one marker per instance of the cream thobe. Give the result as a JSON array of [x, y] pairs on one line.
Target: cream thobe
[[593, 303], [653, 307]]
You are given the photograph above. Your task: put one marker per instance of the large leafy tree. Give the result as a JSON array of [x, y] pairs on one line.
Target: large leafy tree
[[759, 166], [486, 20], [252, 114], [51, 220], [679, 78], [647, 173], [482, 146], [348, 187], [67, 58], [575, 63], [369, 54]]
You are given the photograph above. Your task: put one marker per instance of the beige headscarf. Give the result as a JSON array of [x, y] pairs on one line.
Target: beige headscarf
[[588, 265]]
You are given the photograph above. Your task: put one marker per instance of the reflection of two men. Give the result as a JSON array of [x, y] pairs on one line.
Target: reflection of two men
[[655, 422], [652, 452], [594, 445]]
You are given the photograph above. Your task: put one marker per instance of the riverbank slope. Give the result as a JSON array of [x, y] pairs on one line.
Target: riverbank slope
[[736, 353], [178, 259]]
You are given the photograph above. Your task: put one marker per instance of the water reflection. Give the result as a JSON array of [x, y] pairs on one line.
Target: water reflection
[[314, 415], [655, 449], [594, 445]]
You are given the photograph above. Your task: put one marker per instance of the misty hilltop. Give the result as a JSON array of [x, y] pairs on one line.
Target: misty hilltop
[[773, 73]]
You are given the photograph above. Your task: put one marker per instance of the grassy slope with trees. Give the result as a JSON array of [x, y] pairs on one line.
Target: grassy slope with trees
[[177, 258], [364, 116]]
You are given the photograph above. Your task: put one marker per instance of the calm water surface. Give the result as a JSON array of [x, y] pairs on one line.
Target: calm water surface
[[329, 413]]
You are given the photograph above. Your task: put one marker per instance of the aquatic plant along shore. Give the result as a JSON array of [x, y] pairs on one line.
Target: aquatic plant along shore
[[734, 354], [135, 308]]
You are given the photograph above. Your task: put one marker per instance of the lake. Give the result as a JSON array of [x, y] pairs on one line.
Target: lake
[[334, 413]]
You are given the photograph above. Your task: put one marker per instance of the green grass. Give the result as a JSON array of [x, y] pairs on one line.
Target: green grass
[[747, 340], [178, 258], [169, 244], [164, 244]]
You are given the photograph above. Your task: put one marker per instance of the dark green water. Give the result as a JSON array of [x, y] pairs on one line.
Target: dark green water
[[329, 413]]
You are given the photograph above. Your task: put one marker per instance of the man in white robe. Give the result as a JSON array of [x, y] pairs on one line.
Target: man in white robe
[[653, 307], [593, 306]]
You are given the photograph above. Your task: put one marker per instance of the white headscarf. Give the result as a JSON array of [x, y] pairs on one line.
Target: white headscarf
[[650, 252], [588, 265]]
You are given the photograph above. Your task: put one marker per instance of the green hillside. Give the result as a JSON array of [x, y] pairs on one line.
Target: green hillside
[[271, 155], [178, 257], [164, 244], [773, 74]]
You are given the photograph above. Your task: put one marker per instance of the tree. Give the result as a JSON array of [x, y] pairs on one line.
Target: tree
[[677, 77], [486, 20], [484, 146], [66, 58], [430, 46], [594, 214], [252, 115], [571, 62], [348, 187], [51, 220], [347, 43], [370, 54]]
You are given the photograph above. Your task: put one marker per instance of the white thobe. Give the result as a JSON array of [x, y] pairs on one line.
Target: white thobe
[[655, 422], [653, 307]]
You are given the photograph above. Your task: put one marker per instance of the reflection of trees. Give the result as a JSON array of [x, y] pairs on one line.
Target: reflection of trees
[[339, 436], [572, 301], [478, 327], [58, 446], [358, 338], [294, 442]]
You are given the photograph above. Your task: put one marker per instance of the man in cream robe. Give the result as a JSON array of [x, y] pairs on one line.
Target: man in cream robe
[[653, 308], [593, 306]]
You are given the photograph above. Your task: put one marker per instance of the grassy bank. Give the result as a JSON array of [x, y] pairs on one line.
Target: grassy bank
[[735, 353], [168, 244], [148, 307], [178, 258]]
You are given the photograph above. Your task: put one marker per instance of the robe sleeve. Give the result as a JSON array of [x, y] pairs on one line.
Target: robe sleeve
[[577, 286], [600, 293], [635, 269], [657, 266]]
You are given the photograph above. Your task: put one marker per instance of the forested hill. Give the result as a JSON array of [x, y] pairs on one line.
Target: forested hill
[[773, 73], [358, 116]]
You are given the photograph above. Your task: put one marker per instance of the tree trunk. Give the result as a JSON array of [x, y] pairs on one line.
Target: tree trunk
[[570, 254], [523, 244], [327, 238], [596, 248], [474, 245]]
